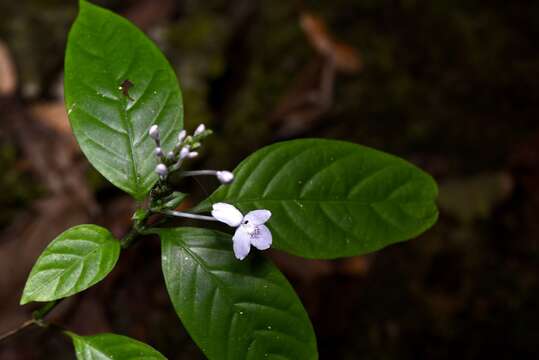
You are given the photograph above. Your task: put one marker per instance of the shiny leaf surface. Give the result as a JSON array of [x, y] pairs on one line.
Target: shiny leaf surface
[[233, 309], [112, 347], [118, 84], [77, 259], [332, 198]]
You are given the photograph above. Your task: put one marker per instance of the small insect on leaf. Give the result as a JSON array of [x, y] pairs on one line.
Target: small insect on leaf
[[124, 88]]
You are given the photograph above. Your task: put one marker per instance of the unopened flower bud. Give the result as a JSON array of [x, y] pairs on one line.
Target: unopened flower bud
[[161, 170], [200, 129], [184, 152], [195, 145], [192, 154], [154, 132], [225, 177], [170, 155], [182, 135], [159, 152]]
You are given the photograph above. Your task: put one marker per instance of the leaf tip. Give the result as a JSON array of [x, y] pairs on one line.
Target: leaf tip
[[70, 334], [24, 300], [86, 5]]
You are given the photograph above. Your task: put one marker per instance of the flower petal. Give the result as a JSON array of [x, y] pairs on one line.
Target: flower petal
[[241, 243], [257, 217], [262, 238], [227, 213]]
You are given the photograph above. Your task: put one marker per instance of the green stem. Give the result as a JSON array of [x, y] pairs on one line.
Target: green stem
[[40, 313], [130, 238], [139, 225]]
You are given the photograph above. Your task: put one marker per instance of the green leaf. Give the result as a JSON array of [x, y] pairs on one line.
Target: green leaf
[[332, 198], [112, 347], [173, 200], [77, 259], [103, 51], [233, 309]]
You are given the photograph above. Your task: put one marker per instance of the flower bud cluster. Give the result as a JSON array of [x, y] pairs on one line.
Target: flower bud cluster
[[185, 148]]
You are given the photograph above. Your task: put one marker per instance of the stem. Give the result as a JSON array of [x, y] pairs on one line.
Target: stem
[[129, 238], [175, 167], [137, 229], [39, 314], [188, 215], [21, 327], [37, 319], [198, 172]]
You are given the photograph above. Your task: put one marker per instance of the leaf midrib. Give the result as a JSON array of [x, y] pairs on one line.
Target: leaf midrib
[[124, 111], [131, 138], [70, 267], [321, 201], [223, 287], [96, 350]]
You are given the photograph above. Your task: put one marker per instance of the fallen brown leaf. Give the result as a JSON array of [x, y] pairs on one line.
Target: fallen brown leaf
[[8, 73], [346, 57]]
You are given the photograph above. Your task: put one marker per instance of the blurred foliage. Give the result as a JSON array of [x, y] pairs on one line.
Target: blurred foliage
[[22, 188], [474, 198], [35, 31]]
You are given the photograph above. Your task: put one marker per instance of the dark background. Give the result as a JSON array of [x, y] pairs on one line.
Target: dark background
[[450, 85]]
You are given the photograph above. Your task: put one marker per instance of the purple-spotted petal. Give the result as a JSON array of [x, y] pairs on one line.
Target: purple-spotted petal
[[261, 238]]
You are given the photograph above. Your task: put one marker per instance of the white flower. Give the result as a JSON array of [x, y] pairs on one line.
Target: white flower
[[250, 229], [161, 170], [225, 177], [200, 129], [154, 132], [184, 152], [182, 135]]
